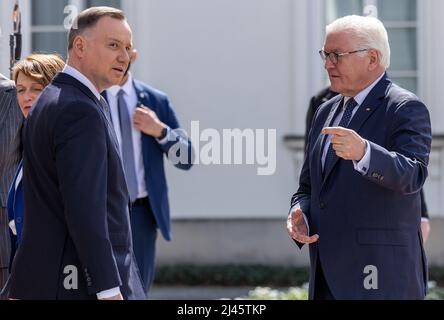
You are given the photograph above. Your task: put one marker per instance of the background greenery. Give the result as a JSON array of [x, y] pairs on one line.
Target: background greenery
[[247, 275], [264, 278]]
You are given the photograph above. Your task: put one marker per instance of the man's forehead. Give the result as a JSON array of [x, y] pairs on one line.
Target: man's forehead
[[110, 26], [338, 41]]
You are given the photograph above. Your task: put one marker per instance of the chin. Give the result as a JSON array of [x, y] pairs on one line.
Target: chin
[[116, 80], [335, 88]]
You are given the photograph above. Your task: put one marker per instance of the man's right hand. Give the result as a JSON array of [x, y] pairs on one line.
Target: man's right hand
[[297, 229]]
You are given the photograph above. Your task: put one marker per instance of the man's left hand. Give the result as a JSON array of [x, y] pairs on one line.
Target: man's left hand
[[425, 230], [147, 121], [347, 143]]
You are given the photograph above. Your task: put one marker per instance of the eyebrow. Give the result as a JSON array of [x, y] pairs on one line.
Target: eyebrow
[[119, 41]]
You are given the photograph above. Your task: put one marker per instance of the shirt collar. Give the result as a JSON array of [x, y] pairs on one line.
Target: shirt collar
[[82, 78], [360, 97], [127, 87]]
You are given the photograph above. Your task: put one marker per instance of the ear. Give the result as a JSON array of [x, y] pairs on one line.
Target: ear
[[133, 55], [374, 59], [79, 46]]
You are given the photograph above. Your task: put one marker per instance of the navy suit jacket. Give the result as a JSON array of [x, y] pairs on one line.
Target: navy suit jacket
[[76, 201], [153, 154], [372, 219]]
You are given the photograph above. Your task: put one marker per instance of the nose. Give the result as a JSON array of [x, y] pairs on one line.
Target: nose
[[29, 96], [125, 57], [328, 65]]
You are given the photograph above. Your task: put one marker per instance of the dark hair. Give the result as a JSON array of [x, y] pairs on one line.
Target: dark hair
[[88, 19]]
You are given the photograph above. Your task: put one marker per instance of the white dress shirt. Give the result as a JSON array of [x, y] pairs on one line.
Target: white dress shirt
[[85, 81]]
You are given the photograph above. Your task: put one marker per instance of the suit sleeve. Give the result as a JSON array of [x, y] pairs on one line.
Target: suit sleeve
[[81, 160], [402, 166], [178, 147]]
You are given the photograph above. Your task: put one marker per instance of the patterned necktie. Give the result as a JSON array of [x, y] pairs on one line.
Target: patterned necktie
[[106, 109], [127, 146], [331, 153]]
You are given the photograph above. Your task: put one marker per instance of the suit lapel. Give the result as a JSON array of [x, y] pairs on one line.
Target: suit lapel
[[370, 104], [335, 110], [109, 124], [318, 145], [67, 79], [328, 123]]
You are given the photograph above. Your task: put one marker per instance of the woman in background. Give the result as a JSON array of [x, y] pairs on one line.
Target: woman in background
[[31, 75]]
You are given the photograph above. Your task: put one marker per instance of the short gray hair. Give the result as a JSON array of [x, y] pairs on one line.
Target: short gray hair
[[370, 32]]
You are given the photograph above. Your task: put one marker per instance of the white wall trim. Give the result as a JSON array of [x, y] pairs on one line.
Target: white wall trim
[[308, 73]]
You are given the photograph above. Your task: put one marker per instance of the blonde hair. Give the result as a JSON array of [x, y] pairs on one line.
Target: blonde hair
[[40, 67]]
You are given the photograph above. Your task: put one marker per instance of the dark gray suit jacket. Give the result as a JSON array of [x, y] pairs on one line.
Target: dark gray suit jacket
[[10, 124]]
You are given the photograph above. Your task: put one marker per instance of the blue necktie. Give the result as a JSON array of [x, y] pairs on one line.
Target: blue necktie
[[127, 146], [345, 120]]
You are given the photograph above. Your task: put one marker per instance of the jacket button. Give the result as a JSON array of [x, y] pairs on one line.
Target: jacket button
[[18, 220], [322, 205]]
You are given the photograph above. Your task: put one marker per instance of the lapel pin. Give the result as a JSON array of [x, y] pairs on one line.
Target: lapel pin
[[368, 109]]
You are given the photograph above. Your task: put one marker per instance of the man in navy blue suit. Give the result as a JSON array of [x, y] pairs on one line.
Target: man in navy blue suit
[[358, 200], [147, 129], [323, 96], [76, 236]]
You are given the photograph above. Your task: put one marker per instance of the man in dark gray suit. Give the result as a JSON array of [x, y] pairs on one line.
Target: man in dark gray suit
[[10, 124]]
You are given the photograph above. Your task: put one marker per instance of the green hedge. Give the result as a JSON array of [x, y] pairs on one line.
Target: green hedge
[[246, 275], [230, 275]]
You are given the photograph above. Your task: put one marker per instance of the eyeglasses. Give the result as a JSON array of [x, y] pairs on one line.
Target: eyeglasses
[[334, 57]]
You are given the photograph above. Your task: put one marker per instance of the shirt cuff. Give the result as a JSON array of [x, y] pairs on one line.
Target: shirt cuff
[[296, 206], [13, 227], [165, 139], [106, 294], [363, 165], [424, 219]]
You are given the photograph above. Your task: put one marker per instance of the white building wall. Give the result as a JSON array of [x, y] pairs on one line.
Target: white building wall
[[231, 64], [246, 64], [5, 30]]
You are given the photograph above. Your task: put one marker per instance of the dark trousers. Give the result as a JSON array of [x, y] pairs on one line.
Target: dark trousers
[[321, 290], [144, 230]]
